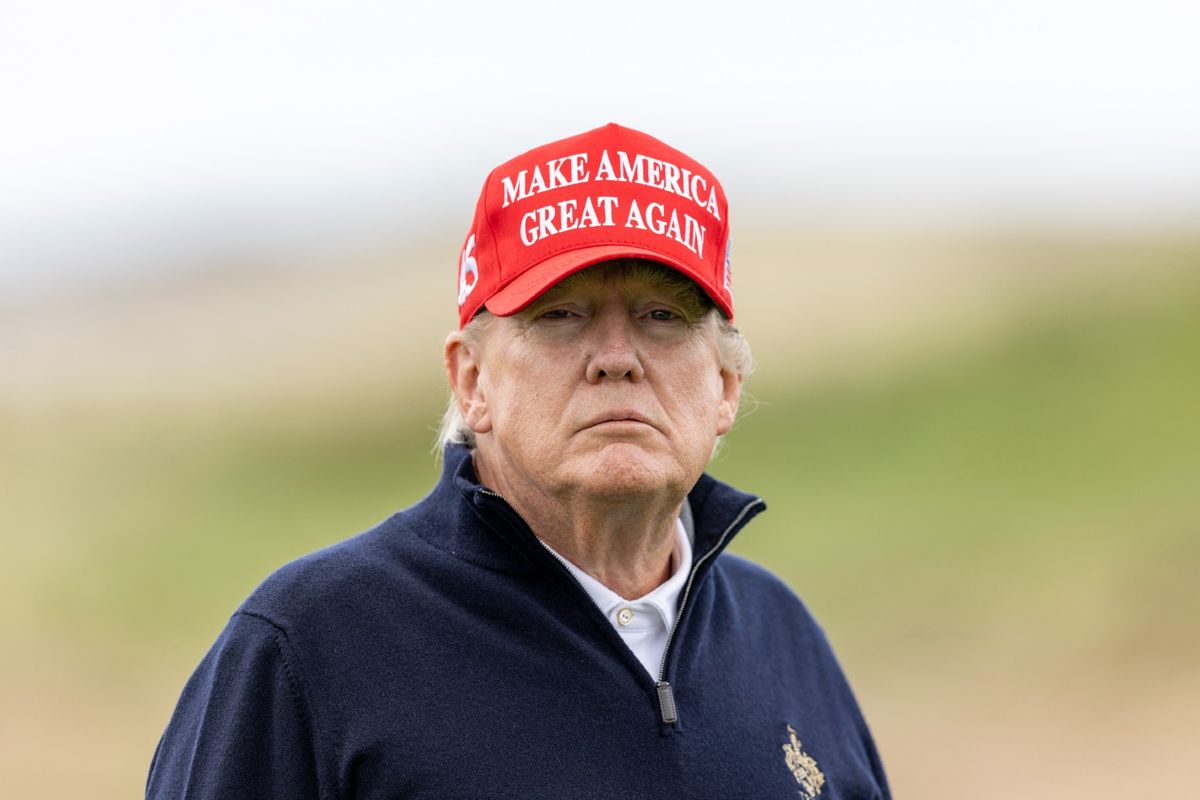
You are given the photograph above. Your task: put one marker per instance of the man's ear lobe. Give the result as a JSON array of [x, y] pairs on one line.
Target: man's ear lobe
[[731, 392], [462, 373]]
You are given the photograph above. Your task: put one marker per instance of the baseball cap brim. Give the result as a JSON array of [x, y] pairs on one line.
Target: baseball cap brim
[[530, 285]]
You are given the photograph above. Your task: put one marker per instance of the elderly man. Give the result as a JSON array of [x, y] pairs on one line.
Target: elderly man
[[556, 618]]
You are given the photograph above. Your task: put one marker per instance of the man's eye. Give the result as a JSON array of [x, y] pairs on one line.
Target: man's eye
[[662, 315], [557, 313]]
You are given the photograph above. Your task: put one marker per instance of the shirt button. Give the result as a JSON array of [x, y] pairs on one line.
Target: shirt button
[[625, 616]]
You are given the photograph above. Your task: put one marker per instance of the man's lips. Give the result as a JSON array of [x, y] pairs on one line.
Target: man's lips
[[617, 415]]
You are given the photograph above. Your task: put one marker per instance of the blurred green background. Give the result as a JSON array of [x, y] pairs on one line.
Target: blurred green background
[[979, 453]]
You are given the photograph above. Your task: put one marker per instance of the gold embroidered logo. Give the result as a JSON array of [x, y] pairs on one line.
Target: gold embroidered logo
[[803, 766]]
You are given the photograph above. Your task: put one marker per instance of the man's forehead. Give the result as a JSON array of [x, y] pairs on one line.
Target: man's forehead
[[626, 273], [630, 276]]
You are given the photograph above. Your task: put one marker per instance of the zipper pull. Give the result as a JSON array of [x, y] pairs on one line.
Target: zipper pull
[[666, 702]]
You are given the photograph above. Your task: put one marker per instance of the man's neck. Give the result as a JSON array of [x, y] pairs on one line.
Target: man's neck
[[626, 544], [629, 553]]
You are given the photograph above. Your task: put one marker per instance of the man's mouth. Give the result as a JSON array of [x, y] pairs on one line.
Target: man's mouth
[[617, 415]]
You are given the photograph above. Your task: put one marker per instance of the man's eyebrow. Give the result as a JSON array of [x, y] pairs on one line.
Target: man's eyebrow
[[549, 297]]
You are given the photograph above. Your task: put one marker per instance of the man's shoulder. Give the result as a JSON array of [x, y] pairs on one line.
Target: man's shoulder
[[336, 578], [752, 583], [753, 575]]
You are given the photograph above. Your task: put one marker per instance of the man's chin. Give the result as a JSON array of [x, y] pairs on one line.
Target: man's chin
[[626, 469]]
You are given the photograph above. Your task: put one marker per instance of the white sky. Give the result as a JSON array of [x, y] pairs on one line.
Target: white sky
[[131, 128]]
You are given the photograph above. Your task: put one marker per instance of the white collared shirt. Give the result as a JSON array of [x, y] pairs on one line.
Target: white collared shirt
[[645, 623]]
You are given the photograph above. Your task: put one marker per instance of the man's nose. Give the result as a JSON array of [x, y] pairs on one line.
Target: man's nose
[[612, 348]]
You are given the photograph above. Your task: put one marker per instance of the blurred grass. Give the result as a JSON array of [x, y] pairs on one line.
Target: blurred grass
[[1072, 443], [1022, 503], [1053, 472]]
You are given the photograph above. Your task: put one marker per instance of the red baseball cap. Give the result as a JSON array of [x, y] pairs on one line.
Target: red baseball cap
[[612, 192]]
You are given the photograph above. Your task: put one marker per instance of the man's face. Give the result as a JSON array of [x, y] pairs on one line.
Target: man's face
[[609, 385]]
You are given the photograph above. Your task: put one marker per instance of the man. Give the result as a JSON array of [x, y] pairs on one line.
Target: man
[[556, 619]]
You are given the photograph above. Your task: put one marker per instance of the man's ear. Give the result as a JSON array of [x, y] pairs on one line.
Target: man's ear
[[462, 372], [731, 392]]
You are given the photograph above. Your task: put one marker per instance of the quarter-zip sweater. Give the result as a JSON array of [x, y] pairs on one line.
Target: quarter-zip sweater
[[446, 653]]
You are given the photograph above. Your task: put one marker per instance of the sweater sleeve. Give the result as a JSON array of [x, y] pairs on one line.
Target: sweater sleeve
[[242, 728]]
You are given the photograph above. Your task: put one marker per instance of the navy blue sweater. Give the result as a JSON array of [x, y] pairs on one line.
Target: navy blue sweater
[[447, 654]]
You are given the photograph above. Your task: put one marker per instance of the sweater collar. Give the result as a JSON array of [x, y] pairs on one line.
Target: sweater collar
[[478, 525]]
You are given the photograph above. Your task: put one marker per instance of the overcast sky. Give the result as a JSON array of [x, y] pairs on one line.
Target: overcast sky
[[134, 128]]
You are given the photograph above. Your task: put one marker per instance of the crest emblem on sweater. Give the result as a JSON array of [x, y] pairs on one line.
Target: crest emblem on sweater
[[803, 767]]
